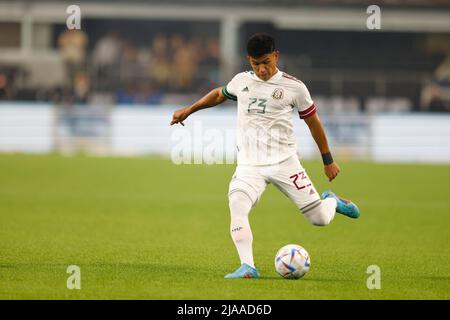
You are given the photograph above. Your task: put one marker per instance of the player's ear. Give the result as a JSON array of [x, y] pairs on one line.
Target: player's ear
[[276, 55]]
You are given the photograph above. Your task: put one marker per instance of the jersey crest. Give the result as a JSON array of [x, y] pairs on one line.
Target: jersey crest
[[278, 94]]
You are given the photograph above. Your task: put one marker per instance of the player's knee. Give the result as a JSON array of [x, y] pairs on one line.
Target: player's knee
[[318, 216], [236, 198], [239, 203]]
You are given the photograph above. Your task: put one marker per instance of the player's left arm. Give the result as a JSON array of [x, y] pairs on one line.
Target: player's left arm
[[318, 133]]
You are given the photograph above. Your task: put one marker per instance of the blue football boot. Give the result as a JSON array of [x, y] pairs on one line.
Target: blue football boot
[[244, 271], [344, 206]]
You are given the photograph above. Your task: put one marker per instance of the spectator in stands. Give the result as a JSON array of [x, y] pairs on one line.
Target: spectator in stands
[[176, 43], [73, 45], [212, 57], [159, 66], [81, 88], [436, 103], [184, 57], [129, 68], [210, 63], [6, 92], [106, 56], [436, 95]]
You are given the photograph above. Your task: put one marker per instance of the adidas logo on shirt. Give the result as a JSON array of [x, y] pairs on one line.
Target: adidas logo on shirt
[[245, 89]]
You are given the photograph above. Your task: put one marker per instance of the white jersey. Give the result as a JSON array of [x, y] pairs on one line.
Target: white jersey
[[265, 133]]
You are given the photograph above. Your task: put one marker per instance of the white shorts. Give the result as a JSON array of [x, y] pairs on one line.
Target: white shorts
[[288, 176]]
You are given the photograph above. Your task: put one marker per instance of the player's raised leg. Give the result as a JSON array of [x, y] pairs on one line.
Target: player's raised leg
[[292, 179]]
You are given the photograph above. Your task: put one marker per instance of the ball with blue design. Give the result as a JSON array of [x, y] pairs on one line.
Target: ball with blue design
[[292, 261]]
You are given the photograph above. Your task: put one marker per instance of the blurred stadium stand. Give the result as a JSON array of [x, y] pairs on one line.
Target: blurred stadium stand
[[147, 53]]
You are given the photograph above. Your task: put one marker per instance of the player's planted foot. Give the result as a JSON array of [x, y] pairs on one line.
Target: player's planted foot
[[244, 271], [344, 206]]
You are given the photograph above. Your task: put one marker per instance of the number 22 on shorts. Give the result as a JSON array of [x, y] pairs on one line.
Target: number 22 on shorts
[[300, 176]]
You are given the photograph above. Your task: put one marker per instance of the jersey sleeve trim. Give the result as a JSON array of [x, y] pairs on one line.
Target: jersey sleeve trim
[[227, 94], [308, 112]]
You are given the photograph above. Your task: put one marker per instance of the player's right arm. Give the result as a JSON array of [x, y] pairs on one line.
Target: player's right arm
[[307, 112], [213, 98]]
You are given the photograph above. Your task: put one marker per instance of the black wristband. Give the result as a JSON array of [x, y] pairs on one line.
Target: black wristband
[[327, 158]]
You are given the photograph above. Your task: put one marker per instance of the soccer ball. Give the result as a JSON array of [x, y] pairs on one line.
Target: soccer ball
[[292, 261]]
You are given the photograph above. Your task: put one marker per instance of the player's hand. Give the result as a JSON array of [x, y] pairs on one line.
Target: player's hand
[[179, 116], [332, 170]]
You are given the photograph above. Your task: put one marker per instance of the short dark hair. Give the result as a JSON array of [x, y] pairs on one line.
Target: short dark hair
[[260, 44]]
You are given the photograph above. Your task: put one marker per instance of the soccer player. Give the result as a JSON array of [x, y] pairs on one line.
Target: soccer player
[[266, 147]]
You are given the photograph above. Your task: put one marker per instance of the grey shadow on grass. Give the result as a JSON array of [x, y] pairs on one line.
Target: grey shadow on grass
[[308, 279]]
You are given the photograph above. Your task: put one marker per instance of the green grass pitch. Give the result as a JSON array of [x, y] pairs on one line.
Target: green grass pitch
[[144, 228]]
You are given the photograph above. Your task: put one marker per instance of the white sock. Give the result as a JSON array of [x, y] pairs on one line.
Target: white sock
[[321, 213], [241, 233], [330, 204]]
